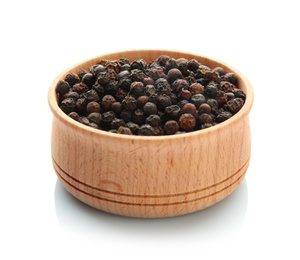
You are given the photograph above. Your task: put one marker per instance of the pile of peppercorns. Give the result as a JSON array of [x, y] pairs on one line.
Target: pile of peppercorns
[[167, 96]]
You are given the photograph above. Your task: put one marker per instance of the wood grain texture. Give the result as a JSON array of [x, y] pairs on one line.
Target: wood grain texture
[[151, 177]]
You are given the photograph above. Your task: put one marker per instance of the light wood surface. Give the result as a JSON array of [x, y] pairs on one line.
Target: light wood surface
[[150, 177]]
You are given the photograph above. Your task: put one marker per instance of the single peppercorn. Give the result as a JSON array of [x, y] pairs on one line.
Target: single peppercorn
[[72, 78], [93, 107], [133, 127], [162, 86], [231, 77], [196, 88], [204, 108], [149, 90], [91, 95], [197, 99], [129, 103], [187, 122], [148, 81], [189, 108], [162, 101], [146, 130], [172, 112], [185, 94], [205, 118], [95, 117], [74, 116], [107, 118], [138, 117], [116, 123], [223, 116], [68, 105], [153, 120], [124, 130], [193, 65], [80, 88], [116, 107], [138, 64], [88, 79], [235, 105], [149, 109], [221, 97], [211, 89], [62, 87], [174, 74], [171, 127], [180, 84], [141, 101], [107, 102], [136, 89], [84, 120]]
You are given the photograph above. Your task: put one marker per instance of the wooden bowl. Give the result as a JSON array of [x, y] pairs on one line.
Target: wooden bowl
[[151, 177]]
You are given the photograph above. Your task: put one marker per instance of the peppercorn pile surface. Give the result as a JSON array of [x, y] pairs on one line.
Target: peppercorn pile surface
[[165, 97]]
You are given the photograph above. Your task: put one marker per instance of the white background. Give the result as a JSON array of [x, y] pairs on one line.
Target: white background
[[39, 39]]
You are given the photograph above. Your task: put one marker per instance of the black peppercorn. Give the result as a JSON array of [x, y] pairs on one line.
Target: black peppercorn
[[172, 112], [185, 94], [116, 107], [138, 64], [149, 109], [187, 122], [88, 79], [189, 108], [107, 101], [204, 108], [137, 75], [116, 123], [124, 130], [80, 88], [153, 120], [136, 89], [174, 74], [196, 88], [197, 99], [91, 95], [205, 118], [193, 65], [93, 107], [68, 105], [74, 116], [146, 130], [162, 86], [124, 83], [162, 101], [138, 117], [62, 87], [107, 118], [180, 84], [211, 89], [223, 116], [141, 101], [72, 78], [166, 96], [235, 105], [95, 118], [171, 127], [149, 90], [129, 103], [133, 127]]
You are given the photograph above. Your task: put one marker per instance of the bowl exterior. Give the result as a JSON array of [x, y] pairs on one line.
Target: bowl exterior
[[151, 176]]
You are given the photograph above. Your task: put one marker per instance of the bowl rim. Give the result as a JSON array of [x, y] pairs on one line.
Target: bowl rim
[[58, 113]]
